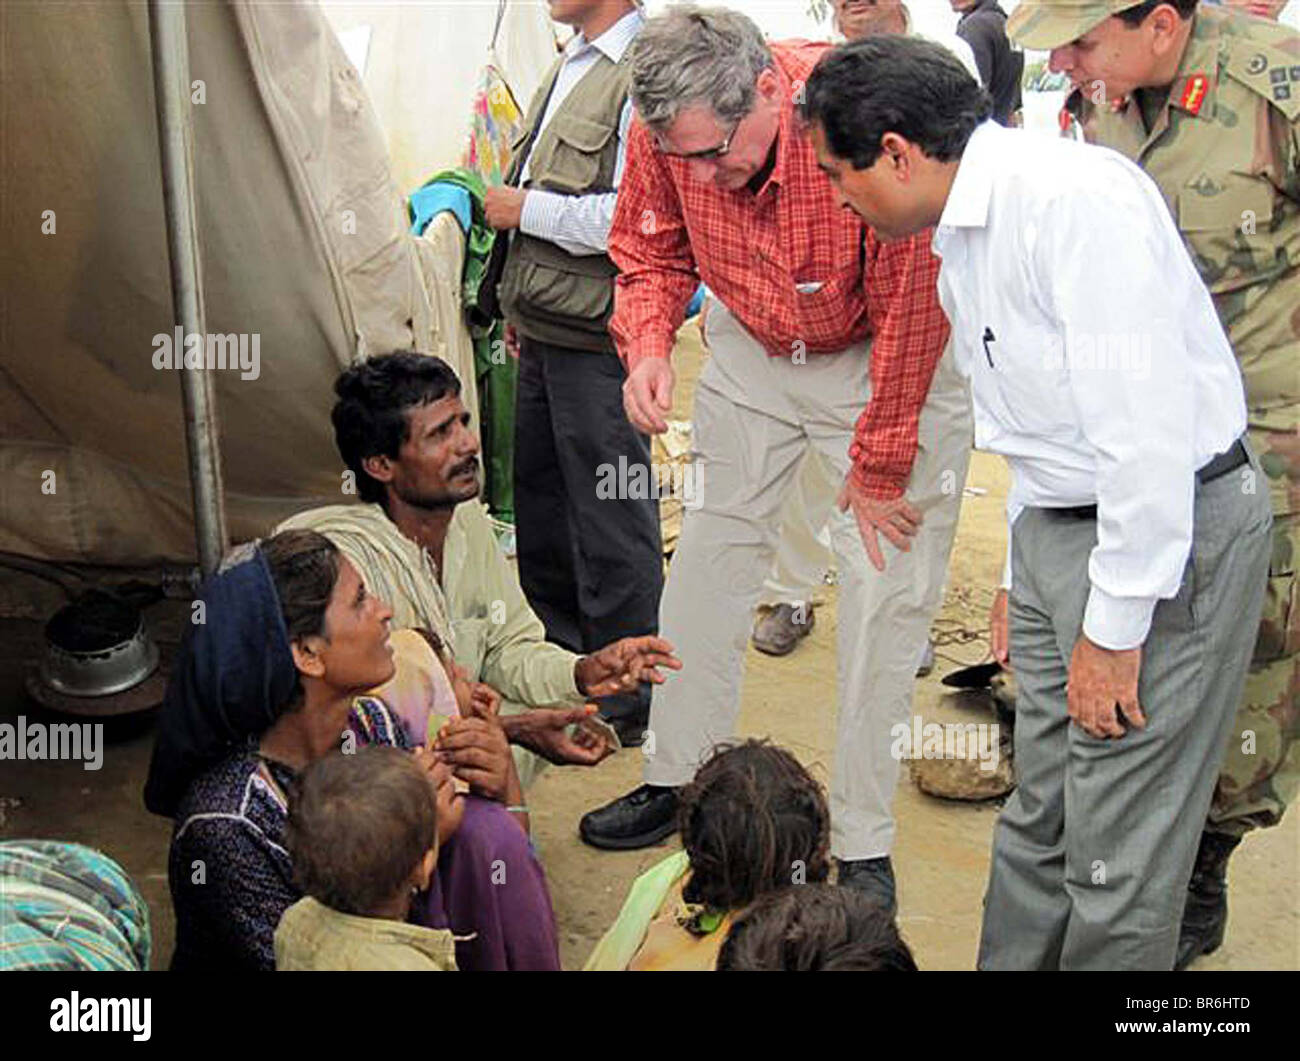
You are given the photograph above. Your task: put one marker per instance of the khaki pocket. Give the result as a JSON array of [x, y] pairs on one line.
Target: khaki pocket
[[1242, 199], [1228, 232], [565, 294], [1279, 624], [569, 153]]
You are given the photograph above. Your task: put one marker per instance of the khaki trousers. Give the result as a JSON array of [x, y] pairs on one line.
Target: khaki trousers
[[755, 418]]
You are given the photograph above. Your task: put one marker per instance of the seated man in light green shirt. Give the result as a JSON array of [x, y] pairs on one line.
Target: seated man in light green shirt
[[424, 544]]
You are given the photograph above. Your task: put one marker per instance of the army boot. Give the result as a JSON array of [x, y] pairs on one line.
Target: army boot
[[1205, 915]]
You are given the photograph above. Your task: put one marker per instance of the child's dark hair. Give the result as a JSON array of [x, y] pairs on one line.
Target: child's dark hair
[[374, 396], [752, 820], [359, 825], [815, 928]]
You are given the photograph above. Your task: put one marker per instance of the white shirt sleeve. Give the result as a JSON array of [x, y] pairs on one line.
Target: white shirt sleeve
[[1014, 508], [578, 224], [1115, 273]]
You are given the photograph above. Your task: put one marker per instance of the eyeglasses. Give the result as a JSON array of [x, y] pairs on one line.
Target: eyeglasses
[[709, 154]]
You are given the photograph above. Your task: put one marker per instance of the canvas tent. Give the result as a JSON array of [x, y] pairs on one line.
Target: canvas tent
[[304, 245], [420, 64]]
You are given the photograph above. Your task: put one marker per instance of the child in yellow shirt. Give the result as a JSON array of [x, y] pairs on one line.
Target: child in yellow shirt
[[363, 836]]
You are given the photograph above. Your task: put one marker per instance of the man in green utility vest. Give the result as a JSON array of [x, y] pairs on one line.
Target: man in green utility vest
[[590, 559]]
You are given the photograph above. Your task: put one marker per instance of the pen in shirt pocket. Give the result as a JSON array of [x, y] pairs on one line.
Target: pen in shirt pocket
[[809, 287]]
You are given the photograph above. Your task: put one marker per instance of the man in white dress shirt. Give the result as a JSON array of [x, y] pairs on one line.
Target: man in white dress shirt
[[1139, 537]]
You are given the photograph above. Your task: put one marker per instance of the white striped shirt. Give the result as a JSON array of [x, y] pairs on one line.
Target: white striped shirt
[[580, 224]]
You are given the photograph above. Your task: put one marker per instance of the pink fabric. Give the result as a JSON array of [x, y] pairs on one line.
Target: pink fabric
[[421, 690]]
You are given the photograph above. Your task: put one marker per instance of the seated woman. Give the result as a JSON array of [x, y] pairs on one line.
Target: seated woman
[[753, 820], [270, 681]]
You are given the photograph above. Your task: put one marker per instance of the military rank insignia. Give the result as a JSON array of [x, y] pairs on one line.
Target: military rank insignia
[[1194, 93], [1281, 79]]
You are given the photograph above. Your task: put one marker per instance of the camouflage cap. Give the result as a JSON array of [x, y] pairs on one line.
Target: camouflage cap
[[1048, 24]]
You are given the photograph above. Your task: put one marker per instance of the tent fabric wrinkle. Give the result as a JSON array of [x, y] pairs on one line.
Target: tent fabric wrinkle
[[307, 264]]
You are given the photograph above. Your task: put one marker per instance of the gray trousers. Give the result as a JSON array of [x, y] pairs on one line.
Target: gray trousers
[[1093, 851]]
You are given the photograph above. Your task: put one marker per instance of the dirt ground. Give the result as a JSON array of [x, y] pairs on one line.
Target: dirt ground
[[941, 856]]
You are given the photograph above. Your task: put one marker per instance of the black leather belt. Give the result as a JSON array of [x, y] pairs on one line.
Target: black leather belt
[[1230, 459]]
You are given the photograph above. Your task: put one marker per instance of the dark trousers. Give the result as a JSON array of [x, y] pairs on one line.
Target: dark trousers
[[591, 566]]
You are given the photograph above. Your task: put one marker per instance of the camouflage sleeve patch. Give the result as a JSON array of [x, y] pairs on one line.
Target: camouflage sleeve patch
[[1269, 71]]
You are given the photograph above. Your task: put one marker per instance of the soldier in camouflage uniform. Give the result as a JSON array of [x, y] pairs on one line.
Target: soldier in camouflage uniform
[[1207, 101]]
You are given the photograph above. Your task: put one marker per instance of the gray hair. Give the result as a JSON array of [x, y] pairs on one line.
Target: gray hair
[[691, 55]]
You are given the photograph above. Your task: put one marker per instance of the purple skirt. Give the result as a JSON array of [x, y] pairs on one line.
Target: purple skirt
[[490, 886]]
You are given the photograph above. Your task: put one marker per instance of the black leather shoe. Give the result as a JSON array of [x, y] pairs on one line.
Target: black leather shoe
[[1205, 913], [630, 728], [873, 877], [643, 817]]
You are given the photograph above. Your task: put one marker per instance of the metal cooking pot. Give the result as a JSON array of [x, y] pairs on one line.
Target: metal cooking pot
[[78, 663]]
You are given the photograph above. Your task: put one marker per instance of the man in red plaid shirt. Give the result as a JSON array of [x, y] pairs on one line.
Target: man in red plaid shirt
[[823, 336]]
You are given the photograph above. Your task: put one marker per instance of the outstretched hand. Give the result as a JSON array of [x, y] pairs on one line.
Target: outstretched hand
[[476, 751], [622, 666], [450, 803], [545, 730], [484, 701]]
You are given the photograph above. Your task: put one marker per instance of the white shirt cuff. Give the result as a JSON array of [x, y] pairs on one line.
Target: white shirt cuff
[[537, 218], [578, 224], [1117, 623]]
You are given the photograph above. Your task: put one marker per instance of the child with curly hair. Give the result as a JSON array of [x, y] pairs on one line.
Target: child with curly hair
[[753, 820]]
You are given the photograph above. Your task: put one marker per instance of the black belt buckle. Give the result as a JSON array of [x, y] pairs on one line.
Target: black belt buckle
[[1230, 459]]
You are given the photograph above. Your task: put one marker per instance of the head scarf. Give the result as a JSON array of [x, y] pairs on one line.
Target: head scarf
[[234, 677]]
